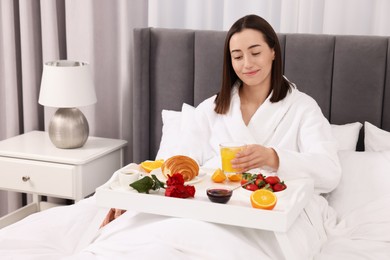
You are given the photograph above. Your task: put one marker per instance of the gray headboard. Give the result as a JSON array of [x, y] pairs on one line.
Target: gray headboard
[[349, 76]]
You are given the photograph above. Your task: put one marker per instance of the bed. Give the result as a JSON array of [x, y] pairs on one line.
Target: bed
[[349, 77]]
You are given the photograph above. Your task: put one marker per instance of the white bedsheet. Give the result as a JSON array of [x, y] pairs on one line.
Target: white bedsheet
[[50, 234], [132, 236], [362, 234], [70, 232]]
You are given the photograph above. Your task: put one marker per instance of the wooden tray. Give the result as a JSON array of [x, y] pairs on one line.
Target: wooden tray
[[238, 211]]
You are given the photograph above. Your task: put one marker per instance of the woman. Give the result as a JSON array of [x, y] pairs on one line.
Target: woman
[[253, 62], [286, 133], [284, 128], [257, 105]]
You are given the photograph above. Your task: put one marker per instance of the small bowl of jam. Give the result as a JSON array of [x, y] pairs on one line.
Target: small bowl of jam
[[219, 195]]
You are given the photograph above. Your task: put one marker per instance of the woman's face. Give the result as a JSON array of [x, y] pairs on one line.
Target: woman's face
[[251, 57]]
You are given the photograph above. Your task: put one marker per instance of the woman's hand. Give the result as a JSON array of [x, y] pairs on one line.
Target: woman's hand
[[111, 215], [256, 156]]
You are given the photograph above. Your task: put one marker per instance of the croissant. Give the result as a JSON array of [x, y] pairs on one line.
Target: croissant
[[182, 164]]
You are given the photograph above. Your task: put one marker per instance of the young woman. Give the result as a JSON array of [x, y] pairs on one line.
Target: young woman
[[285, 133], [284, 128]]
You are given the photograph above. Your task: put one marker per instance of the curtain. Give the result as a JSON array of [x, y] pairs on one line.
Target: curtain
[[353, 17], [100, 32], [36, 31]]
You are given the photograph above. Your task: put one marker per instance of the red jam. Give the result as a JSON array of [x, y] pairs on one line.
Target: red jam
[[219, 195]]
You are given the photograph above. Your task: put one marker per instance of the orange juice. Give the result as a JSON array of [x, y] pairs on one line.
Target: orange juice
[[228, 153]]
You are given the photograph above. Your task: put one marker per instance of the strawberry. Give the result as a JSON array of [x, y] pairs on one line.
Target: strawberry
[[245, 178], [272, 180], [260, 176], [243, 181], [279, 186], [268, 187], [260, 183], [251, 187]]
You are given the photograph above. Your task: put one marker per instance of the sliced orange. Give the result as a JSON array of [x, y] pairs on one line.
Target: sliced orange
[[235, 177], [263, 199], [218, 176], [149, 166]]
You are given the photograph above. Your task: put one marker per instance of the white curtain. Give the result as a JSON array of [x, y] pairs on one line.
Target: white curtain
[[353, 17], [100, 32], [36, 31]]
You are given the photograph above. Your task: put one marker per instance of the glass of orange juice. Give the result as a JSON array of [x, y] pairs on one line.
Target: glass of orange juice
[[228, 153]]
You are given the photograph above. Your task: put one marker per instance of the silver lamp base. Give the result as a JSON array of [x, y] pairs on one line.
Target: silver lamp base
[[68, 128]]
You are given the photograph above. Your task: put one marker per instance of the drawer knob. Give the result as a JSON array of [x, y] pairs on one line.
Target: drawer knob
[[25, 178]]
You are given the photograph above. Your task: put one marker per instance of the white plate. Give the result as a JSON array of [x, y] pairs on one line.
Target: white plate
[[160, 176]]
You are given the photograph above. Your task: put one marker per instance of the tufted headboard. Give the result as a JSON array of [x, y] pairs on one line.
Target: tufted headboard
[[349, 76]]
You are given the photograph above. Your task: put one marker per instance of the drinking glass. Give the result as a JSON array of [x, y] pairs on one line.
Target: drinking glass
[[228, 153]]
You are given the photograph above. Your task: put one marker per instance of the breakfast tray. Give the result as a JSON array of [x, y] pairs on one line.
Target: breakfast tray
[[238, 211]]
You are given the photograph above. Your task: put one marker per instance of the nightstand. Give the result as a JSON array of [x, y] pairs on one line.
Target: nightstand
[[30, 163]]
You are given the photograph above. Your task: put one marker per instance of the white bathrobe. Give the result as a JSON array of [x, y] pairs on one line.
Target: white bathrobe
[[297, 130], [294, 127]]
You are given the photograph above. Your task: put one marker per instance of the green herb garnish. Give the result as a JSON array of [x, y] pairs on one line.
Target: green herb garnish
[[147, 183]]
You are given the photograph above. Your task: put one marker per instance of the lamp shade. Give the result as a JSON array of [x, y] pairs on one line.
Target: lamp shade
[[67, 84]]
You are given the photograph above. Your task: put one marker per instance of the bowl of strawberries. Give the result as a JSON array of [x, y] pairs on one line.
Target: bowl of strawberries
[[254, 181]]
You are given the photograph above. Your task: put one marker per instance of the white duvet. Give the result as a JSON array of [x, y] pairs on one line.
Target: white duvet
[[363, 234], [131, 236]]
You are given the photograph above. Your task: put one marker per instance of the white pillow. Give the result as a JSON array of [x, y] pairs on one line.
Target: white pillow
[[365, 177], [173, 124], [347, 135], [170, 130], [375, 139]]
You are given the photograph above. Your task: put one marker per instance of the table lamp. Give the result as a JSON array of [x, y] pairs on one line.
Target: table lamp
[[67, 85]]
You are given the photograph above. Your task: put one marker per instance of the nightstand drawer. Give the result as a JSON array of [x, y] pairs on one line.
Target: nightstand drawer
[[37, 177]]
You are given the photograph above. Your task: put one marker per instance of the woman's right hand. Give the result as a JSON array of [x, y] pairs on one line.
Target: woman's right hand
[[256, 156]]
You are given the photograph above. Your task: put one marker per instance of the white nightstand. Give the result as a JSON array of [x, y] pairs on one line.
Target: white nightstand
[[30, 163]]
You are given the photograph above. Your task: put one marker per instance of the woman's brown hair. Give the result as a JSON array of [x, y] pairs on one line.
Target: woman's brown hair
[[279, 85]]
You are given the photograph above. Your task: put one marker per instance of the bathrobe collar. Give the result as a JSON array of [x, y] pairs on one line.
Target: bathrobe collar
[[263, 122]]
